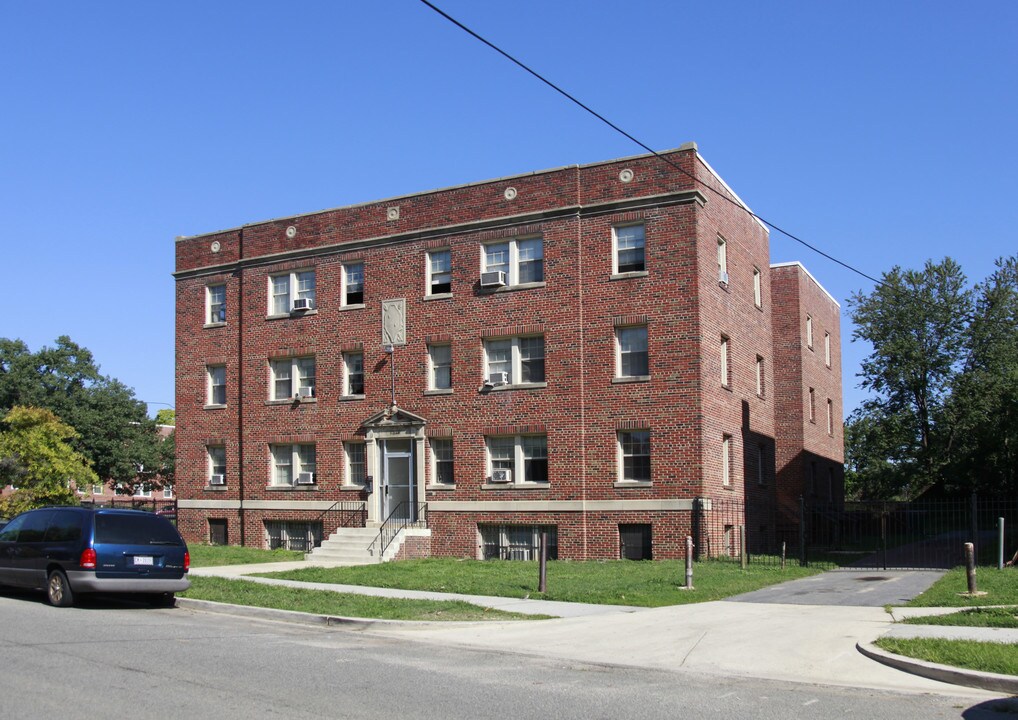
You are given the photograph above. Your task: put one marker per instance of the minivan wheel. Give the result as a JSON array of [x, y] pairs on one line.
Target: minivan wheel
[[162, 600], [58, 590]]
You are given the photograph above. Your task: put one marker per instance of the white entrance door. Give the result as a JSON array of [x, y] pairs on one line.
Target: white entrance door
[[398, 479]]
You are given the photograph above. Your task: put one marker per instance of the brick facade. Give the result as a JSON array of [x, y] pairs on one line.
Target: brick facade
[[581, 407]]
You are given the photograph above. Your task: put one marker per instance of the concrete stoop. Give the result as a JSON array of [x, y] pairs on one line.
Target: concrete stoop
[[352, 546]]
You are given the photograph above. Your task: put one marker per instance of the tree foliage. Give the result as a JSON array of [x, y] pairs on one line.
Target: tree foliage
[[39, 460], [942, 372], [113, 429]]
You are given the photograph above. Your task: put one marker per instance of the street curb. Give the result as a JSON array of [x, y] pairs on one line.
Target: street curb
[[942, 673], [293, 616]]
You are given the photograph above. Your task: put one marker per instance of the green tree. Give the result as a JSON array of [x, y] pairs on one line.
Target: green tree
[[166, 416], [36, 453], [984, 402], [916, 324], [113, 429]]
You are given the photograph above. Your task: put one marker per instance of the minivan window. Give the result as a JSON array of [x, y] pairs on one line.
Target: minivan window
[[34, 528], [10, 531], [119, 529], [64, 527]]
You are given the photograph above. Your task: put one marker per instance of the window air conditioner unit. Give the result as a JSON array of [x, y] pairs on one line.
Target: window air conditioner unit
[[501, 475], [493, 279], [302, 304], [722, 277], [305, 478], [217, 480], [305, 392], [498, 378]]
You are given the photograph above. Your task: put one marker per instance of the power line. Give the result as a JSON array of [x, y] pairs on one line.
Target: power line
[[643, 145]]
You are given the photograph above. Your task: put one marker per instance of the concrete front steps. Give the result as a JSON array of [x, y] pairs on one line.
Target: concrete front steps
[[352, 546]]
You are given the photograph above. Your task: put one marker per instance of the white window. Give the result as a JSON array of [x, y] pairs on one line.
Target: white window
[[830, 416], [827, 348], [629, 252], [759, 376], [441, 461], [143, 490], [356, 464], [353, 284], [524, 456], [97, 489], [722, 260], [634, 455], [757, 291], [439, 272], [522, 261], [812, 405], [726, 460], [293, 378], [725, 377], [168, 492], [353, 375], [439, 367], [520, 358], [631, 352], [216, 465], [291, 463], [287, 288], [215, 304], [216, 385], [809, 331]]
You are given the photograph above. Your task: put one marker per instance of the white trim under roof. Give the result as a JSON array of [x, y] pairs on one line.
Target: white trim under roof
[[796, 263], [735, 195]]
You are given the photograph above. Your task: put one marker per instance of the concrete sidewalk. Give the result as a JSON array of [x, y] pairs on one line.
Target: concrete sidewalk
[[788, 642]]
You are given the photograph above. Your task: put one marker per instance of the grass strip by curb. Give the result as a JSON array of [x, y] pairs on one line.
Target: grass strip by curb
[[325, 602], [1000, 586], [969, 654]]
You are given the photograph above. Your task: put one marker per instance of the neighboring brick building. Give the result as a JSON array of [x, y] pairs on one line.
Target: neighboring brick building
[[585, 350]]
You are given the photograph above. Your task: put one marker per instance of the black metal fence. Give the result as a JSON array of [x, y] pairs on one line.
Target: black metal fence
[[904, 535], [162, 506]]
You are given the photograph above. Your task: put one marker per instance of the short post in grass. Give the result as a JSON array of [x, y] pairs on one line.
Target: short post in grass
[[782, 555], [1000, 543], [970, 567], [744, 558], [689, 563], [542, 583]]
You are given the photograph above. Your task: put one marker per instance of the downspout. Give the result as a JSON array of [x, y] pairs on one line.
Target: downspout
[[240, 388]]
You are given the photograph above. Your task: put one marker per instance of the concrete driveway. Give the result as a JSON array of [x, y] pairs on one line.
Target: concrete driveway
[[847, 588]]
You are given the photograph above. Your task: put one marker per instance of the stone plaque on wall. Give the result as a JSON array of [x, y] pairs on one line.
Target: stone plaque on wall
[[394, 322]]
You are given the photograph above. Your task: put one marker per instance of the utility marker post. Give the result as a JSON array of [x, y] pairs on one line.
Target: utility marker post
[[970, 567], [689, 562], [542, 583]]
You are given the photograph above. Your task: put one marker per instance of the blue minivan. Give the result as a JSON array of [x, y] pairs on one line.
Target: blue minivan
[[67, 551]]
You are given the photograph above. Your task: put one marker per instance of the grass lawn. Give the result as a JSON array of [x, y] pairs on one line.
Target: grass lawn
[[988, 657], [1000, 586], [976, 617], [324, 602], [617, 582], [213, 555]]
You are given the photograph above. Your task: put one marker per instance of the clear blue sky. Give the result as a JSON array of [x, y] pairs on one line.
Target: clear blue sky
[[883, 132]]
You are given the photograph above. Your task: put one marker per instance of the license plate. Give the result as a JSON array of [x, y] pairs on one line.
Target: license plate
[[142, 559]]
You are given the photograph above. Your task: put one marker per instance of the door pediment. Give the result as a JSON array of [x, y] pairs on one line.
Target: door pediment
[[393, 419]]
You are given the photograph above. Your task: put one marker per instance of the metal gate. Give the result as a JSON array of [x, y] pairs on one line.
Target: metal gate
[[919, 535]]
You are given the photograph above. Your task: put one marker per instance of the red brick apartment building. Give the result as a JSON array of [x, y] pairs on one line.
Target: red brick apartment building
[[586, 351]]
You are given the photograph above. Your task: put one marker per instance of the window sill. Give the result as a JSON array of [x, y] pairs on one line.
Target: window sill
[[295, 314], [727, 387], [214, 407], [349, 398], [214, 325], [355, 306], [511, 288], [441, 391], [214, 488], [442, 487], [630, 379], [628, 275], [632, 484], [516, 486], [292, 401], [291, 488], [438, 296], [515, 386]]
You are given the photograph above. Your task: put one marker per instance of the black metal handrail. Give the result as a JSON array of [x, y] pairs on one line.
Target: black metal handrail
[[398, 521], [344, 513]]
